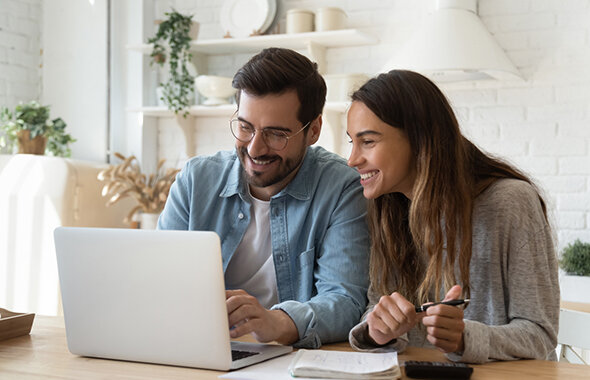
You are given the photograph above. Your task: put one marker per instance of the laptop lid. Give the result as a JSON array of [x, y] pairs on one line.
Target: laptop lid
[[145, 295]]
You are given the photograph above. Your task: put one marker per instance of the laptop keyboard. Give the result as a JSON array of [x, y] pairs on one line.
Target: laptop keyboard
[[237, 354]]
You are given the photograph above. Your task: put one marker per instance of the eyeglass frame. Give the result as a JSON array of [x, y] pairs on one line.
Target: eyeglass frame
[[276, 131]]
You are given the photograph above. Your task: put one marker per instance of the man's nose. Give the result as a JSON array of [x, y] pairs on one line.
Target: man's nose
[[257, 146]]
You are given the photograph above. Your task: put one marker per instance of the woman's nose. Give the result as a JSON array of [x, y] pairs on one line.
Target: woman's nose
[[353, 159]]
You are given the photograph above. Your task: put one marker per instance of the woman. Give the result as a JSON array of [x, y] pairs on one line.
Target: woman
[[448, 221]]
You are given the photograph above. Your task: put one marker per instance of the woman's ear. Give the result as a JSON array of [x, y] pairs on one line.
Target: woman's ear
[[315, 127]]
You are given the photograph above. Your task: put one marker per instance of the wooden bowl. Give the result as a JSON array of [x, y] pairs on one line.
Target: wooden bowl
[[15, 324]]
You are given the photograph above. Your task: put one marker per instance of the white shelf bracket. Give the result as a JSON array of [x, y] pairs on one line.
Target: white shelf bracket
[[317, 53], [187, 124]]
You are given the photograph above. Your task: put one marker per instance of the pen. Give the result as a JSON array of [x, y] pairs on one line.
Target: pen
[[422, 308]]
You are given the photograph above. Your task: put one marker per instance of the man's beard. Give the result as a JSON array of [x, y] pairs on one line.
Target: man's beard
[[285, 168]]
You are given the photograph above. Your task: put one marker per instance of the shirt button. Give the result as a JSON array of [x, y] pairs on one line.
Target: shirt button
[[240, 216]]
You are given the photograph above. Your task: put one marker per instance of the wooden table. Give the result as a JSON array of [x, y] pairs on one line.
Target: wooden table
[[577, 306], [44, 354]]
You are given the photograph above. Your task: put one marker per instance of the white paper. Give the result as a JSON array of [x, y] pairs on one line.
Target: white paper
[[277, 368], [269, 370], [346, 361]]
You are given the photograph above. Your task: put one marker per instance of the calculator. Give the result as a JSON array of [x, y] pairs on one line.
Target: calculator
[[437, 370]]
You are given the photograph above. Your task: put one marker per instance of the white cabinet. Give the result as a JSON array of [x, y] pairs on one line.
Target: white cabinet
[[316, 44]]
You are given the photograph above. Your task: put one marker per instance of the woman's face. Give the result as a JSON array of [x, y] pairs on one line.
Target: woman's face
[[381, 153]]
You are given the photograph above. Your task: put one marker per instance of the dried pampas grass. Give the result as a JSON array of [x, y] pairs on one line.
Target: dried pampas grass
[[127, 180]]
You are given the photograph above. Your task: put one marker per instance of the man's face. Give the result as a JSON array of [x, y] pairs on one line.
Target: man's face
[[268, 170]]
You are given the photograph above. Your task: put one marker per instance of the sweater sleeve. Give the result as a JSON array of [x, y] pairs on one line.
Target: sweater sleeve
[[523, 321], [361, 341]]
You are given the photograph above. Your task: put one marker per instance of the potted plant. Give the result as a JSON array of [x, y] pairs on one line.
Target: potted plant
[[32, 131], [126, 180], [575, 282], [171, 44]]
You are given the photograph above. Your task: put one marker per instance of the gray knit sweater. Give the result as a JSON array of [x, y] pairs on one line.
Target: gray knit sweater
[[514, 306]]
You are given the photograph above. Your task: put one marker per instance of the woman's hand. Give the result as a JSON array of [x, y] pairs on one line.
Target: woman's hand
[[391, 317], [444, 324]]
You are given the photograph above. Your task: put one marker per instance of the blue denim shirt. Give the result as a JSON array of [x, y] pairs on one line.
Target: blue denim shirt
[[319, 235]]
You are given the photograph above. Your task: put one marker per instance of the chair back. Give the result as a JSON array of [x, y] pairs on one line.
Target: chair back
[[574, 331]]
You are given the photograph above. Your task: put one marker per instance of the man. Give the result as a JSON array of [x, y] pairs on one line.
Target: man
[[291, 217]]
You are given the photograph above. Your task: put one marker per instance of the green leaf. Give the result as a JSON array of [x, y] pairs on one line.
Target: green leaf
[[35, 118], [575, 258], [174, 34]]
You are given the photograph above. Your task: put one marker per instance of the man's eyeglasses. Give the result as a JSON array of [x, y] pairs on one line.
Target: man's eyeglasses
[[274, 139]]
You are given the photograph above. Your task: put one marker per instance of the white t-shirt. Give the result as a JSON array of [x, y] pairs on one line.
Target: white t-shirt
[[252, 266]]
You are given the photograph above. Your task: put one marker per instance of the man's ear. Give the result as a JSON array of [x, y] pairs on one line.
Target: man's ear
[[315, 127]]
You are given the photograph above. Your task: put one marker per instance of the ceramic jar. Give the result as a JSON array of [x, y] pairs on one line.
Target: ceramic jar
[[299, 21], [329, 19]]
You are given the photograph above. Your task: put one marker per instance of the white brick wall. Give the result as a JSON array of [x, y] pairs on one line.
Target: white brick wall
[[20, 51], [541, 124]]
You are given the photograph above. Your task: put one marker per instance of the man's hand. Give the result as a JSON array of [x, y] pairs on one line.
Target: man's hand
[[391, 317], [247, 316], [444, 324]]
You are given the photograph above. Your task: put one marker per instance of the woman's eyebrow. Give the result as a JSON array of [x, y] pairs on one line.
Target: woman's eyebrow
[[368, 132]]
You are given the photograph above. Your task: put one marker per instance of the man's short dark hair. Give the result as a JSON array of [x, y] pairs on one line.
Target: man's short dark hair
[[277, 70]]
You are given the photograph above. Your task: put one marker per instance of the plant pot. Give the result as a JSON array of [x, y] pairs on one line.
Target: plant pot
[[31, 146], [148, 220]]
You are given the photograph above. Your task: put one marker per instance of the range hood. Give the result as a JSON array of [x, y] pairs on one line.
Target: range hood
[[454, 45]]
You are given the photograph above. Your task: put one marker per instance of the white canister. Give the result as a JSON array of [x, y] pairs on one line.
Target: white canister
[[329, 18], [299, 21]]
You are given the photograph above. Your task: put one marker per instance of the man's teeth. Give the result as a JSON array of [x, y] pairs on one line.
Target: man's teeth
[[368, 175], [259, 162]]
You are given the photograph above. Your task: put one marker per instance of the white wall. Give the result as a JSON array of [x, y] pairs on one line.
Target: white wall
[[75, 71], [55, 52], [541, 124], [20, 51]]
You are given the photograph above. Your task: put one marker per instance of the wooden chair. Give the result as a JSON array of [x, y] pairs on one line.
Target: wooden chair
[[574, 331]]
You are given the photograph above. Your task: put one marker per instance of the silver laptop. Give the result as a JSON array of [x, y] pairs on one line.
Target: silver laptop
[[149, 296]]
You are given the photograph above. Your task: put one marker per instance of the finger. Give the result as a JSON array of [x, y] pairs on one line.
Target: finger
[[446, 311], [453, 293], [246, 327], [234, 292], [377, 324], [383, 312], [444, 329], [234, 302], [245, 313], [442, 344], [396, 311], [404, 306], [379, 331], [452, 335]]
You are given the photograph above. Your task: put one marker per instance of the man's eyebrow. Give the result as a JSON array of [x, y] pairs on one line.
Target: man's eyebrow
[[278, 128]]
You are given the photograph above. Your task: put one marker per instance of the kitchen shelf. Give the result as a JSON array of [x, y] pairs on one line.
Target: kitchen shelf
[[316, 44], [220, 110], [296, 41], [199, 110]]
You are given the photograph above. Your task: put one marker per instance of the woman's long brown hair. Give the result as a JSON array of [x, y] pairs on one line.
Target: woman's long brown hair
[[450, 172]]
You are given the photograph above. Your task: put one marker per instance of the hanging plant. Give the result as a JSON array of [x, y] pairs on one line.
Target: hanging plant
[[172, 44]]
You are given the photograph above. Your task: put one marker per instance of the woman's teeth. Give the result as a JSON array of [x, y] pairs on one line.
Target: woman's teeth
[[368, 175]]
